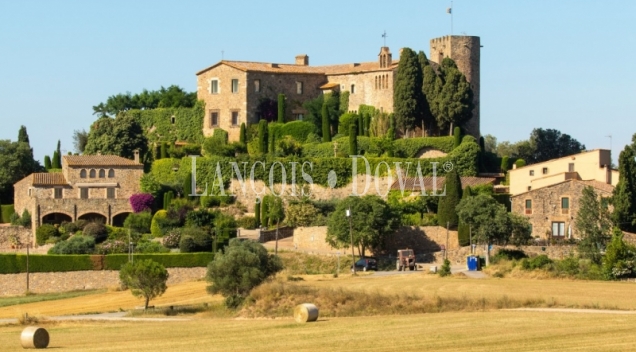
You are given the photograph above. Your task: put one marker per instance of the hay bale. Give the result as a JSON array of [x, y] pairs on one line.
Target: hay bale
[[34, 337], [306, 312]]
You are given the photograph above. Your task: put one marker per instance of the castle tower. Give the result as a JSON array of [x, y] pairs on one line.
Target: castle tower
[[384, 57], [465, 51]]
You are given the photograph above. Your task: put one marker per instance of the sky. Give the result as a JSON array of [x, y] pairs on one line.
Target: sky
[[566, 65]]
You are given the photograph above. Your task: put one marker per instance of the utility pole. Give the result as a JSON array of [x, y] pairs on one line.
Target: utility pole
[[470, 234], [276, 249], [348, 213], [27, 264], [446, 249]]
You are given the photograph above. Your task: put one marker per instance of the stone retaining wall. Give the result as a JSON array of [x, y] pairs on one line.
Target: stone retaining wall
[[13, 237], [15, 284]]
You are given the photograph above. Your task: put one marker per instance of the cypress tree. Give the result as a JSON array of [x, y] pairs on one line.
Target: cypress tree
[[257, 213], [23, 136], [390, 134], [167, 199], [482, 144], [367, 125], [408, 97], [463, 230], [243, 134], [505, 161], [59, 155], [353, 140], [457, 134], [187, 185], [47, 162], [326, 134], [262, 136], [454, 101], [446, 212], [164, 150], [624, 195], [55, 163], [272, 144], [360, 125], [281, 108], [264, 219]]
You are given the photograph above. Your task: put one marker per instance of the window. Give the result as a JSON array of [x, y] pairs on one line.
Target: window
[[173, 120], [353, 89], [214, 86], [235, 118], [57, 193], [111, 173], [29, 191], [214, 118], [235, 85], [102, 173], [529, 188], [571, 167], [92, 173], [84, 193], [376, 82], [299, 87], [528, 206], [257, 85], [83, 173], [299, 117], [531, 172], [558, 229], [565, 205], [545, 170], [110, 193]]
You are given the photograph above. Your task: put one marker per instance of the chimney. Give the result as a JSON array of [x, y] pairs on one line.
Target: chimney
[[136, 156], [302, 60]]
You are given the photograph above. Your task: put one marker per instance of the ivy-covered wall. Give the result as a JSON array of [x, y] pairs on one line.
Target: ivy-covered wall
[[159, 125]]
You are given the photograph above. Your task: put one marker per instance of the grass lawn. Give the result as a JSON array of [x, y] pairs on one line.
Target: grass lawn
[[457, 331], [11, 301]]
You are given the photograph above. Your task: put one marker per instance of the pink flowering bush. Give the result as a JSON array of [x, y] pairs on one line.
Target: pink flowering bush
[[111, 247], [141, 201]]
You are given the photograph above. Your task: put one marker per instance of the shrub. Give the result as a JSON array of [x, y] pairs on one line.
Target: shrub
[[192, 149], [538, 262], [299, 130], [139, 222], [112, 246], [457, 136], [288, 146], [155, 229], [220, 135], [281, 108], [68, 228], [508, 254], [81, 224], [172, 238], [243, 134], [257, 213], [74, 245], [151, 247], [520, 163], [345, 121], [25, 219], [97, 231], [209, 201], [353, 140], [15, 219], [44, 232], [141, 202], [445, 269], [312, 138], [262, 136], [6, 211], [195, 240], [247, 222], [167, 199], [199, 218], [224, 230]]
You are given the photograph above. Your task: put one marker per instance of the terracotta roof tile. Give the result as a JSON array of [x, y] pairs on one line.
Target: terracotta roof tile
[[98, 160], [49, 179], [413, 183], [302, 69]]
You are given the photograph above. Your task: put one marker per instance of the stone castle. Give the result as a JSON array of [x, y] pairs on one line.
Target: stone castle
[[232, 90]]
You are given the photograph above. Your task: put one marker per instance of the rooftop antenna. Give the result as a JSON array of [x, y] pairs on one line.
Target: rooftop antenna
[[450, 12], [384, 37]]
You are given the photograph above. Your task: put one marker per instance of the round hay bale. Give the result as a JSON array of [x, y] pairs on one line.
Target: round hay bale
[[306, 312], [34, 337]]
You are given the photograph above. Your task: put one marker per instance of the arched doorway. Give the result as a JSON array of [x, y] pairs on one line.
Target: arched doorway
[[56, 218], [118, 220], [93, 217]]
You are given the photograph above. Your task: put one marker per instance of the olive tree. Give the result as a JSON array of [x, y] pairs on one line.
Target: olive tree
[[145, 278]]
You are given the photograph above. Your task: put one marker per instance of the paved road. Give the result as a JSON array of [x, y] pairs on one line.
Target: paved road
[[454, 269], [118, 316]]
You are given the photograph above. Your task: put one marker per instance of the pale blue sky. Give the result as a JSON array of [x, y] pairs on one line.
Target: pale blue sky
[[567, 65]]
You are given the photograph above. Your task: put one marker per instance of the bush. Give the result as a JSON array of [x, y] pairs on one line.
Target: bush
[[139, 222], [141, 202], [172, 238], [81, 224], [155, 229], [6, 212], [150, 247], [68, 228], [288, 146], [44, 232], [445, 269], [299, 130], [508, 254], [195, 240], [225, 229], [97, 231], [247, 222], [192, 149], [538, 262], [410, 147], [75, 245], [25, 219], [345, 121], [112, 246], [199, 218]]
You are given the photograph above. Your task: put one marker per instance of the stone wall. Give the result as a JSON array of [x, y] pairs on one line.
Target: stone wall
[[13, 237], [15, 284], [312, 240], [365, 88], [422, 239], [458, 255]]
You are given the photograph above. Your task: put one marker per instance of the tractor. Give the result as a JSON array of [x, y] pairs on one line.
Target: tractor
[[406, 259]]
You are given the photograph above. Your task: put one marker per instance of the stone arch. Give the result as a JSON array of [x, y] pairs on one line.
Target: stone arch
[[56, 218], [91, 174], [102, 173], [93, 216], [111, 173], [83, 173], [118, 219]]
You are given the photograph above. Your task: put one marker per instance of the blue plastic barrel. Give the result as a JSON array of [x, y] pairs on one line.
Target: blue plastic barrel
[[472, 262]]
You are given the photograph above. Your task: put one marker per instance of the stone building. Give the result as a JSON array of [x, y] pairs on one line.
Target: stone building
[[232, 90], [91, 187], [548, 193]]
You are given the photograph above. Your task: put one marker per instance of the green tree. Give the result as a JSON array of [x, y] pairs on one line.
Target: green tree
[[505, 162], [171, 97], [58, 160], [367, 125], [262, 136], [23, 136], [454, 101], [264, 214], [80, 138], [624, 196], [463, 229], [372, 220], [275, 209], [243, 134], [408, 97], [353, 140], [243, 266], [457, 136], [281, 108], [521, 230], [55, 162], [593, 225], [187, 185], [257, 213], [120, 136], [16, 162], [446, 213], [618, 261], [549, 144], [145, 278], [326, 133], [428, 89], [47, 162]]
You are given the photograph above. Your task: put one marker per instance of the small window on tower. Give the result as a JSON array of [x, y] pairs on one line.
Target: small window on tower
[[353, 89]]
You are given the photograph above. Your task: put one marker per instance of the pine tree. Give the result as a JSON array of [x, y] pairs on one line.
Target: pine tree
[[326, 134], [624, 196], [593, 225], [262, 136], [281, 108], [23, 136], [463, 229], [257, 213], [47, 162], [446, 212], [243, 134], [457, 135], [353, 140], [408, 97]]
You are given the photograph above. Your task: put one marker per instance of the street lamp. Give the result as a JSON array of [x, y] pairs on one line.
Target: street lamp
[[353, 258]]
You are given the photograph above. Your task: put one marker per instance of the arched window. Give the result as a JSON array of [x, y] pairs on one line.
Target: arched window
[[111, 173], [102, 173], [91, 174], [382, 82], [386, 81], [376, 82], [83, 173]]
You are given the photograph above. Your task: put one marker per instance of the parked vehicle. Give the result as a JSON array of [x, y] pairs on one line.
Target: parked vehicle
[[405, 259], [365, 264]]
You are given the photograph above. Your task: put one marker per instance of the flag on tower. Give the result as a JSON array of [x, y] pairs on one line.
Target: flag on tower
[[449, 10]]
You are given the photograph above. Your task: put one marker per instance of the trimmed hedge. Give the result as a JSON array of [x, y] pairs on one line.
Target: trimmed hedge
[[186, 127], [7, 210], [409, 147], [168, 260]]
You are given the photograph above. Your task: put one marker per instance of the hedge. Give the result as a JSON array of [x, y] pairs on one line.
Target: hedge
[[7, 210], [16, 263], [169, 260], [186, 127], [409, 147]]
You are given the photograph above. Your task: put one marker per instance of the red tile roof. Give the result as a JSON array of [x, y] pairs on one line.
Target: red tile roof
[[48, 179], [99, 160]]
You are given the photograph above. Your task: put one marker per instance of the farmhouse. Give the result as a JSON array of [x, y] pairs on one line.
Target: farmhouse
[[91, 187]]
